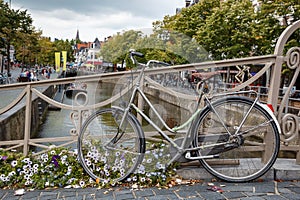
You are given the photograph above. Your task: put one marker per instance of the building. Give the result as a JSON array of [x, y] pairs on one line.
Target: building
[[86, 53]]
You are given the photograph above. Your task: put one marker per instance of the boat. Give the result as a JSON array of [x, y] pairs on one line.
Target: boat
[[75, 88]]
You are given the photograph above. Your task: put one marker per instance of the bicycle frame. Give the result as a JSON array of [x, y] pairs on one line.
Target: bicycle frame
[[187, 139]]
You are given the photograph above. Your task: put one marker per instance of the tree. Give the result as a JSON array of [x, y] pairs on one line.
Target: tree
[[12, 23], [115, 49], [234, 28], [228, 32], [63, 45]]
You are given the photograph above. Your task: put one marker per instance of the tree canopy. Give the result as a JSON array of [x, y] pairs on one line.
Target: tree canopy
[[30, 46], [212, 29]]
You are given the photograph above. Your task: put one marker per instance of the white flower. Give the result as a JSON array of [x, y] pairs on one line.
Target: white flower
[[53, 152], [89, 154], [91, 180], [14, 163], [114, 168], [88, 162], [26, 160], [103, 159], [27, 182], [143, 179], [134, 178], [160, 166], [12, 173], [93, 148], [82, 183], [35, 166], [107, 173]]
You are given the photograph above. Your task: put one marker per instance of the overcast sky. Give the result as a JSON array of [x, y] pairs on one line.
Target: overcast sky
[[94, 18]]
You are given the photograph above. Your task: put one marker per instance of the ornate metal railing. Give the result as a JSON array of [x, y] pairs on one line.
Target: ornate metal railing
[[170, 80]]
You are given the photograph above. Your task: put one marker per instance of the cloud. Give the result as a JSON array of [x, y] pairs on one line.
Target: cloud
[[95, 18]]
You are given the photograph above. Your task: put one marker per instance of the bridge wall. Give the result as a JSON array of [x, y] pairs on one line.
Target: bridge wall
[[12, 123]]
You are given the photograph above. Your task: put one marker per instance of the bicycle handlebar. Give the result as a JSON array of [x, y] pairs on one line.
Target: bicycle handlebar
[[141, 55]]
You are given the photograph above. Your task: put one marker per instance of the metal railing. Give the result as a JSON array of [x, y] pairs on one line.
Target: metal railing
[[270, 66]]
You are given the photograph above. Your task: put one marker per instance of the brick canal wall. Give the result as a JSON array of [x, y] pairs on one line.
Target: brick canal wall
[[12, 123]]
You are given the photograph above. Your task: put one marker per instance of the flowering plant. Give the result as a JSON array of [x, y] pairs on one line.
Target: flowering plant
[[60, 167]]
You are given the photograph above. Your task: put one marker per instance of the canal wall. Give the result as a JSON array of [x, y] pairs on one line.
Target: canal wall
[[12, 123], [186, 104]]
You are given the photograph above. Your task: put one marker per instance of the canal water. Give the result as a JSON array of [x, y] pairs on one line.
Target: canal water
[[59, 123]]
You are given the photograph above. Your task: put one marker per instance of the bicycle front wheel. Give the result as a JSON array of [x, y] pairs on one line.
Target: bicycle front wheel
[[243, 142], [107, 151]]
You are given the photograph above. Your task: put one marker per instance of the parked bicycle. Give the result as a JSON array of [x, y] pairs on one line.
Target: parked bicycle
[[235, 138]]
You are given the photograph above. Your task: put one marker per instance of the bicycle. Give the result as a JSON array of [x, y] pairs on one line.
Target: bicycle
[[234, 137]]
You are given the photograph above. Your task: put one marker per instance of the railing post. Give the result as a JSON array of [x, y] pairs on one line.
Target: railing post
[[275, 82], [27, 119]]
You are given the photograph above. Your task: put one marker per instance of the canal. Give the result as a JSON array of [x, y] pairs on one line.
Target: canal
[[58, 123]]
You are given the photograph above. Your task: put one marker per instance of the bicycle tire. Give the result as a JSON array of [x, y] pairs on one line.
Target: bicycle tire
[[248, 156], [105, 153]]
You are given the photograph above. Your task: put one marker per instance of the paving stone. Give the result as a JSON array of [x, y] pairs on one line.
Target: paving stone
[[49, 197], [274, 197], [101, 195], [143, 193], [250, 194], [29, 195], [239, 188], [67, 194], [124, 196], [49, 193], [186, 193], [164, 197], [2, 193], [264, 188], [252, 198], [234, 195], [74, 198], [163, 191], [212, 195], [291, 196], [294, 189]]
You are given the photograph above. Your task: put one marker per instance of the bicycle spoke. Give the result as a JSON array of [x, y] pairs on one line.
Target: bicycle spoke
[[248, 153]]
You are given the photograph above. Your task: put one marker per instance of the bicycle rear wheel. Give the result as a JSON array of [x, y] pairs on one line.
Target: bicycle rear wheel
[[244, 151], [108, 152]]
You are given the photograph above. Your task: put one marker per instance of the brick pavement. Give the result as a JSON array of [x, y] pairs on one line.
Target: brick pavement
[[244, 191]]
